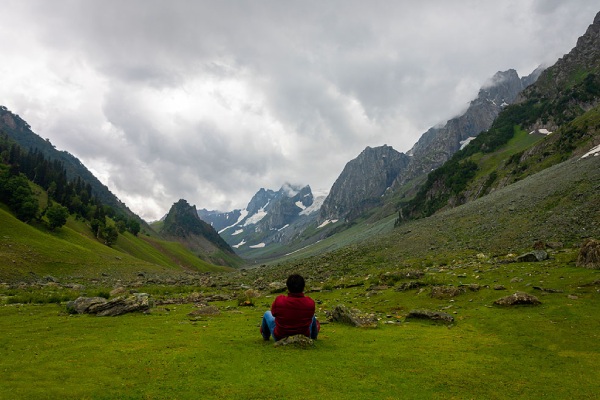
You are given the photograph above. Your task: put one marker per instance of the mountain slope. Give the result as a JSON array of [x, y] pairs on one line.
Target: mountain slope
[[438, 144], [362, 183], [561, 108], [382, 170], [20, 131], [182, 224]]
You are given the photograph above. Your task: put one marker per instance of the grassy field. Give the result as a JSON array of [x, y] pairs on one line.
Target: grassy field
[[550, 351], [29, 250]]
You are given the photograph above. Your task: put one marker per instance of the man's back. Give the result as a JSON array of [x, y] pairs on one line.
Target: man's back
[[293, 314]]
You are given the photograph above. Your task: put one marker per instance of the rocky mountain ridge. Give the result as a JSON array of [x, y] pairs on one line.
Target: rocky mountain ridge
[[380, 170], [270, 217], [182, 224], [555, 119]]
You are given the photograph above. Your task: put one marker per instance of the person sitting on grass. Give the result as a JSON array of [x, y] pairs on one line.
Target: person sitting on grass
[[290, 315]]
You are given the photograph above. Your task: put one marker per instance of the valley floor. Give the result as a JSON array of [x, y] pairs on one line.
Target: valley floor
[[489, 352]]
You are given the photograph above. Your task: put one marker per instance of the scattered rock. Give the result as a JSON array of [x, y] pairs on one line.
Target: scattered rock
[[589, 254], [473, 287], [118, 291], [352, 317], [277, 287], [518, 298], [572, 297], [390, 278], [437, 316], [516, 280], [300, 341], [410, 285], [50, 278], [444, 292], [533, 256], [204, 310], [499, 287], [548, 290]]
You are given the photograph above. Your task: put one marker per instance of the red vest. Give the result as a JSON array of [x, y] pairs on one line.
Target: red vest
[[293, 314]]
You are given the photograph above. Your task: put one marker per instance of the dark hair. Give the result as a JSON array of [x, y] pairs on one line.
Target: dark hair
[[295, 283]]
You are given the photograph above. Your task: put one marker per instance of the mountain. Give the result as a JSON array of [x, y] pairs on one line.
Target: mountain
[[438, 144], [20, 131], [183, 224], [555, 119], [271, 217], [362, 183], [382, 170]]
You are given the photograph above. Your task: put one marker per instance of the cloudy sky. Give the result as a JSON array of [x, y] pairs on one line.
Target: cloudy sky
[[211, 100]]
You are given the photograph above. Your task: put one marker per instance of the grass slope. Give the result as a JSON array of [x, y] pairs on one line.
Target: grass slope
[[27, 251]]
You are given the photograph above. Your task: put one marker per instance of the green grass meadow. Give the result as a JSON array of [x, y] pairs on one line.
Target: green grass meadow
[[490, 352]]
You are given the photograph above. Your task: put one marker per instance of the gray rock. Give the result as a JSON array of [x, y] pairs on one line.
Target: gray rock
[[204, 310], [589, 255], [139, 302], [410, 285], [277, 287], [518, 298], [444, 292], [437, 316], [299, 341], [533, 256], [81, 305], [353, 317]]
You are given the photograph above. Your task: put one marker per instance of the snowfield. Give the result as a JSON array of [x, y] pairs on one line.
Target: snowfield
[[593, 152]]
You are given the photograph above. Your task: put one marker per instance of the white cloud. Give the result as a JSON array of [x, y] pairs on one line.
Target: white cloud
[[210, 100]]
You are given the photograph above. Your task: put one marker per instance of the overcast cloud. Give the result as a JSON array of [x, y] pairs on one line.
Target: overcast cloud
[[211, 100]]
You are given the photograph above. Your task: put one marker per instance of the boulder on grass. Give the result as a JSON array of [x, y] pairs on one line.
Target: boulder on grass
[[82, 305], [299, 341], [517, 299], [436, 316], [352, 317], [445, 292], [138, 302], [589, 254], [533, 256]]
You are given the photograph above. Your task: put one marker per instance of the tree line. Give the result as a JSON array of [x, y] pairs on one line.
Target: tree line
[[65, 197]]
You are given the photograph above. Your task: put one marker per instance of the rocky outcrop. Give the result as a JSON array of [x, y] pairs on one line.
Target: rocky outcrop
[[532, 256], [352, 317], [362, 183], [589, 254], [299, 341], [518, 298], [436, 316], [138, 302]]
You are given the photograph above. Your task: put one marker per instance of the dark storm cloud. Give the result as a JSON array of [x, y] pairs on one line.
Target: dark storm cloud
[[211, 100]]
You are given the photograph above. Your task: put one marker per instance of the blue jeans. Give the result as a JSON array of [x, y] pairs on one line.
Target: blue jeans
[[267, 327]]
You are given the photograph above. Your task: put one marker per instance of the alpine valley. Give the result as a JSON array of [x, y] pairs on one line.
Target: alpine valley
[[515, 128], [468, 267]]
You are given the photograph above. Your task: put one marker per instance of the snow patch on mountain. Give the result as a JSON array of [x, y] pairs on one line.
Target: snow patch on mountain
[[260, 214], [464, 143], [240, 244], [593, 152], [243, 214], [327, 222]]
